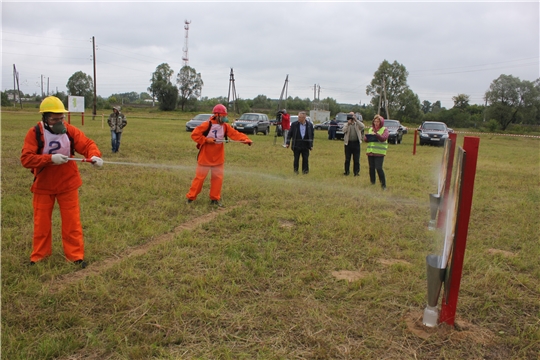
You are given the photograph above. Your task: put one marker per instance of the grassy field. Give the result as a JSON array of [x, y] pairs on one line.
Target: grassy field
[[317, 266]]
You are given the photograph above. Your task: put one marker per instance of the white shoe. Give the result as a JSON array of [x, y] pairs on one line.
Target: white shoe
[[284, 146]]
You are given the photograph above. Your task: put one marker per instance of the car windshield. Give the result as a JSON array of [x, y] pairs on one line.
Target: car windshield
[[391, 123], [437, 127], [202, 117], [249, 117]]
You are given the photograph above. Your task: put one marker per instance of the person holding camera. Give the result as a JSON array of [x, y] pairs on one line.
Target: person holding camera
[[377, 139], [285, 126], [352, 138]]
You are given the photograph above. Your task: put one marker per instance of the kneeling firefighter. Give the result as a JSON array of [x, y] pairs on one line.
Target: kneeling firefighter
[[210, 137]]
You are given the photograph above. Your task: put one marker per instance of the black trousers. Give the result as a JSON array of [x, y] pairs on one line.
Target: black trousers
[[352, 148], [376, 163], [304, 152]]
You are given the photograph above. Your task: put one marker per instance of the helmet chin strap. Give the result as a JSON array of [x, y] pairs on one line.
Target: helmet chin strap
[[46, 125]]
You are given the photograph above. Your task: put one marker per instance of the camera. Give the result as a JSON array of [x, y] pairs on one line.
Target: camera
[[350, 117]]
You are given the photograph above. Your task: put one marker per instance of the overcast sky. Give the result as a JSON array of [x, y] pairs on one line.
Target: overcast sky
[[448, 48]]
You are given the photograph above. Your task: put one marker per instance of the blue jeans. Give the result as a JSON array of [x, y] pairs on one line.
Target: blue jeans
[[115, 140]]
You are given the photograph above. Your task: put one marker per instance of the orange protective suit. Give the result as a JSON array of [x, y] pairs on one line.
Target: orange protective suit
[[212, 156], [56, 182]]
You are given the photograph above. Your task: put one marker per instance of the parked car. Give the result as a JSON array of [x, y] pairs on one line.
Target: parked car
[[252, 123], [323, 126], [433, 133], [341, 119], [395, 131], [196, 121]]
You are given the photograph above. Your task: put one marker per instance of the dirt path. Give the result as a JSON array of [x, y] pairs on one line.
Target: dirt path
[[61, 282]]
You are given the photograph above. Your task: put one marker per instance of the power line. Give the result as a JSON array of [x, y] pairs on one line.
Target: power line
[[460, 67]]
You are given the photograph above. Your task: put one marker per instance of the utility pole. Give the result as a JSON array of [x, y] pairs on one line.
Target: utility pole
[[319, 92], [16, 92], [284, 90], [47, 86], [42, 86], [15, 89], [385, 101], [95, 91], [233, 88]]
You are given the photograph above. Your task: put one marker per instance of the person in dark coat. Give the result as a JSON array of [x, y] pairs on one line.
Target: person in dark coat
[[300, 140], [332, 129]]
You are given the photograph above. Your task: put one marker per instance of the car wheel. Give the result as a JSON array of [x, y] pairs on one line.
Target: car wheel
[[266, 131], [254, 131]]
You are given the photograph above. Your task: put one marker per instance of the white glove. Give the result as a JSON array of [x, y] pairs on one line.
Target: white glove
[[59, 159], [97, 161]]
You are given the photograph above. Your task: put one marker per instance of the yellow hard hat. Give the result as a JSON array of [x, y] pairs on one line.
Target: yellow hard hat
[[52, 104]]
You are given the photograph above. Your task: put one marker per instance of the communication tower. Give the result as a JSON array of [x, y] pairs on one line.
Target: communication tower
[[185, 57]]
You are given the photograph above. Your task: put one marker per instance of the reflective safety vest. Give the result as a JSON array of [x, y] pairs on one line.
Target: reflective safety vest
[[377, 147]]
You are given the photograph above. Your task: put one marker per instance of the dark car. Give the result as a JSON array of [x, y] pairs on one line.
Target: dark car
[[196, 121], [433, 133], [395, 131], [322, 126], [252, 123]]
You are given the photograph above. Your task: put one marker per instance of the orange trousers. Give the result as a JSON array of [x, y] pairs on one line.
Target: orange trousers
[[216, 181], [72, 236]]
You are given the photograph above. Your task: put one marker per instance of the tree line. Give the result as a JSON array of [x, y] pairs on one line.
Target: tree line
[[509, 100]]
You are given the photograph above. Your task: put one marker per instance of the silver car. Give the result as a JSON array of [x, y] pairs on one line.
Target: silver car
[[196, 121]]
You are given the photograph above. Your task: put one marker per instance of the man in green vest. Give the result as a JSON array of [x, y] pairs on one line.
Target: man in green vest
[[377, 139]]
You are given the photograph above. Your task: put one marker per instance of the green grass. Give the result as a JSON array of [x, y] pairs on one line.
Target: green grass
[[171, 281]]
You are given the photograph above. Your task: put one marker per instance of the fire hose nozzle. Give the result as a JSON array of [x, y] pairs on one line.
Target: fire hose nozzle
[[82, 160]]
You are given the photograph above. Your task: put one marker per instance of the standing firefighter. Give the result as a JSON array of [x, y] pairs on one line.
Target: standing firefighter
[[210, 137], [46, 150], [117, 122]]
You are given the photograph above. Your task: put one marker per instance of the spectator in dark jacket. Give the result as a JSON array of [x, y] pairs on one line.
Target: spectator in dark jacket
[[301, 136], [332, 129]]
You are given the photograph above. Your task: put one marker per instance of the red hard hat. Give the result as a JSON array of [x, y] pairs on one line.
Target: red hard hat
[[220, 109]]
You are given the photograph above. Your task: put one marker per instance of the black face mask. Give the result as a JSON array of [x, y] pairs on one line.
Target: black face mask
[[59, 128]]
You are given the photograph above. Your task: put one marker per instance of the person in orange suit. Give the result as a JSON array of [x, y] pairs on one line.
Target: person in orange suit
[[210, 137], [46, 150]]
